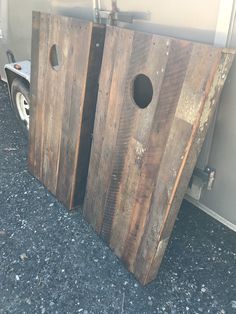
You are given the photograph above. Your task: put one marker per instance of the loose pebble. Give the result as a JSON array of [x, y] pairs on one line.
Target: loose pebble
[[23, 257]]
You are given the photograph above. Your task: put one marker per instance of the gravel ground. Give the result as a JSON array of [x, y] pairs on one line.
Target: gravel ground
[[51, 261]]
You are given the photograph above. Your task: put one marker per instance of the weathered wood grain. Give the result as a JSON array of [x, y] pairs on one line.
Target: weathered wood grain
[[63, 102], [142, 158]]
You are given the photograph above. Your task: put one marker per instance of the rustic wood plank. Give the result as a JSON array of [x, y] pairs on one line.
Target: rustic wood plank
[[96, 52], [63, 103], [187, 112], [128, 119], [221, 70], [52, 112], [73, 111], [33, 89], [139, 156], [161, 125], [40, 32], [111, 92]]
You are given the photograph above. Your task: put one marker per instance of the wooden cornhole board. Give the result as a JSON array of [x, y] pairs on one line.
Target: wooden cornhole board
[[142, 157], [66, 61]]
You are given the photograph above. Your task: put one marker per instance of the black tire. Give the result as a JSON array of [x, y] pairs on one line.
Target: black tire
[[20, 93]]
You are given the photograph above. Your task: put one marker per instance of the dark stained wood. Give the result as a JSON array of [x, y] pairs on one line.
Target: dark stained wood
[[115, 58], [94, 66], [63, 103], [142, 159]]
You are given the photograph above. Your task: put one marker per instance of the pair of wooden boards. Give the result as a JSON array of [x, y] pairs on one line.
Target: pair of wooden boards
[[65, 65], [155, 101]]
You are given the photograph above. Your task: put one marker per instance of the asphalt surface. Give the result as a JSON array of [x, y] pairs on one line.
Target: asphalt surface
[[51, 261]]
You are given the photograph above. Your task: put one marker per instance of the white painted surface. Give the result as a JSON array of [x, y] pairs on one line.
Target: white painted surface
[[199, 14], [3, 19], [223, 22], [212, 213]]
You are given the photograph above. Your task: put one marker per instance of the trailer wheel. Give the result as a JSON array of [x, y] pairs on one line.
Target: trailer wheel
[[20, 101]]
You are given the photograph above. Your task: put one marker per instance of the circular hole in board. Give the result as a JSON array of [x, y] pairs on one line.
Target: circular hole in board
[[142, 90], [55, 57]]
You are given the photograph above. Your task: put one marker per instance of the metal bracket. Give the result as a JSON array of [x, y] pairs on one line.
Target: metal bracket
[[207, 176], [113, 16], [10, 56]]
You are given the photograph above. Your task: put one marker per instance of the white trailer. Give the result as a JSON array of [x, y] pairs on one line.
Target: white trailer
[[213, 184]]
